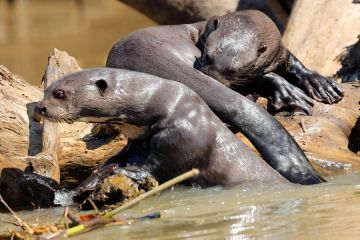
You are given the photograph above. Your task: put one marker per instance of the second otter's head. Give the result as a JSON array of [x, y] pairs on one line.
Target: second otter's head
[[233, 46]]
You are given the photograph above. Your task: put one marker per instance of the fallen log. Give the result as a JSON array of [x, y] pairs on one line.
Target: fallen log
[[330, 137], [21, 142]]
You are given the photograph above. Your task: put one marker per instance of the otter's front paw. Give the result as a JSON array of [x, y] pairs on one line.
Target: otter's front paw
[[321, 88], [290, 98]]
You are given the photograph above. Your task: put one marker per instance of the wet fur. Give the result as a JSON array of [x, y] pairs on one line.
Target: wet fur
[[180, 131], [170, 52]]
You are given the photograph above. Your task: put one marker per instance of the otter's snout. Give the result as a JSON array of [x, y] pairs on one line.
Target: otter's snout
[[40, 110]]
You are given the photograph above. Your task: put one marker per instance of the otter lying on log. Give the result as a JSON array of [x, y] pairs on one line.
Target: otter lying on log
[[241, 47], [171, 129]]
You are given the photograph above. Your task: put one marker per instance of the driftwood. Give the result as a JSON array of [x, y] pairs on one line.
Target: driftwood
[[318, 31], [330, 137], [21, 136], [324, 136]]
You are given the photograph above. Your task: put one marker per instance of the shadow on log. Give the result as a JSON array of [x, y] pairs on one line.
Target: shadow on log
[[21, 143], [350, 63]]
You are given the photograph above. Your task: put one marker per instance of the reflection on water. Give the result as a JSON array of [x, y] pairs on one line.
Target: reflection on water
[[86, 29], [325, 211]]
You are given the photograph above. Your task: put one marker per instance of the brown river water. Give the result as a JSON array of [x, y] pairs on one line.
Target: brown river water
[[87, 29]]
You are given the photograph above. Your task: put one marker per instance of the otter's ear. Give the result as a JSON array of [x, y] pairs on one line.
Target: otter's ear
[[102, 86], [212, 24], [215, 22]]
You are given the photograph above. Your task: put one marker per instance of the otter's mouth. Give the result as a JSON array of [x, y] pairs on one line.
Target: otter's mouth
[[59, 120], [65, 120]]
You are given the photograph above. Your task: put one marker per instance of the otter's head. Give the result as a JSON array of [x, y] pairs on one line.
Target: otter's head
[[86, 95], [231, 46]]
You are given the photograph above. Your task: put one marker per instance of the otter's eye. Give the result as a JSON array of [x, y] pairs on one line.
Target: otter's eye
[[262, 49], [59, 94], [216, 22]]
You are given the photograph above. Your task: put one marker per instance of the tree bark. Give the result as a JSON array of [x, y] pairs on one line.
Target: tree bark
[[78, 151]]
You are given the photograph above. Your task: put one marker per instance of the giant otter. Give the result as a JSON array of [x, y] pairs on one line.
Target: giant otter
[[175, 129], [173, 52]]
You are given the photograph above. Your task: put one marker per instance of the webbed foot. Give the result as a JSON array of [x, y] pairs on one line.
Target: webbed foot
[[320, 88], [284, 96], [98, 176]]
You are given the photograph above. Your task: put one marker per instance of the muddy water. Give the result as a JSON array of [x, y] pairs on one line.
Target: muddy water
[[325, 211], [87, 29]]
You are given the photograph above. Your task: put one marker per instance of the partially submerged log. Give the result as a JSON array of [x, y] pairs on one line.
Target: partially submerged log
[[324, 136], [21, 141], [330, 137]]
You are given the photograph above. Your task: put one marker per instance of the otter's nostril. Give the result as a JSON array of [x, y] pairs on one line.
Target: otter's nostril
[[43, 111]]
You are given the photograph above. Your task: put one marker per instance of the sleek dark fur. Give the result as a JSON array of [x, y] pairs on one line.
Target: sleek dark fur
[[177, 130], [171, 52]]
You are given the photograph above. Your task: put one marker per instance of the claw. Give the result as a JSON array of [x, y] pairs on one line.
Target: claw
[[320, 88]]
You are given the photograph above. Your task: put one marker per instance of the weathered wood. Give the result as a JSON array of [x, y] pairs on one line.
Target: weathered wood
[[21, 135], [324, 136], [46, 162], [330, 137], [318, 31]]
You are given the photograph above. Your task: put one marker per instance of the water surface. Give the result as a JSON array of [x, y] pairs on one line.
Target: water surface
[[324, 211], [86, 29]]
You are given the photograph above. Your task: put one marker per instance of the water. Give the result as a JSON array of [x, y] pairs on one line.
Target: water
[[87, 29], [324, 211]]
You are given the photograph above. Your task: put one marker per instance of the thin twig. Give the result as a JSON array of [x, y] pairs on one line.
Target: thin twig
[[21, 222], [93, 205], [194, 172], [108, 216]]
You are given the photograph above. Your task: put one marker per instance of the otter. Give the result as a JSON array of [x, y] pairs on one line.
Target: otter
[[176, 130], [244, 49], [177, 52]]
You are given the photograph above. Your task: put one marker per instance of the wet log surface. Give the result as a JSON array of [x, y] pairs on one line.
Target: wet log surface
[[23, 147], [330, 137]]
